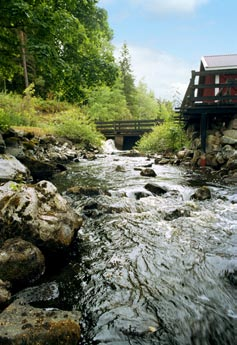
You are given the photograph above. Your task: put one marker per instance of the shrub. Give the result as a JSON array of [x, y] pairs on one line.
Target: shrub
[[76, 126], [168, 136], [50, 106], [16, 111]]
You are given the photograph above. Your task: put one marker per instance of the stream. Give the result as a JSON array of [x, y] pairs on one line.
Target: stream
[[151, 269]]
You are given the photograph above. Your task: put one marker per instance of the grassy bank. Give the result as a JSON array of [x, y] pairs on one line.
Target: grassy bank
[[47, 117]]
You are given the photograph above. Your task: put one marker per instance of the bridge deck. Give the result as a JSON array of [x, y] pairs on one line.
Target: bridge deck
[[126, 128]]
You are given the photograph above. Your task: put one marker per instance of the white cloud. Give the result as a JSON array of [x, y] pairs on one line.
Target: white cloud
[[164, 74], [162, 7], [105, 2], [170, 6]]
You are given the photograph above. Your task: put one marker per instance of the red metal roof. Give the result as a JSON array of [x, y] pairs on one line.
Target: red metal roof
[[219, 62]]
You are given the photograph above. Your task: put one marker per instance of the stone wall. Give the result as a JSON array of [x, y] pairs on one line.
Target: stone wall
[[221, 146]]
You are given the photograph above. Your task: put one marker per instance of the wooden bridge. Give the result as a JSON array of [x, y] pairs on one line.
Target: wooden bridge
[[126, 133]]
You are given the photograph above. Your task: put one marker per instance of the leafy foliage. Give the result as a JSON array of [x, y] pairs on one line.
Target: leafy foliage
[[62, 46], [168, 136], [76, 126], [108, 104], [146, 105], [49, 116], [16, 111]]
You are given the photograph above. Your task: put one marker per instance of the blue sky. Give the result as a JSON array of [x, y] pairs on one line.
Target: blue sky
[[167, 38]]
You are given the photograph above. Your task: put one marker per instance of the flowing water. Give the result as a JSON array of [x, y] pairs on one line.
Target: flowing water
[[151, 269]]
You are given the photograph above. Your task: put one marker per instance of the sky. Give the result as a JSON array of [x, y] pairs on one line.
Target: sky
[[167, 38]]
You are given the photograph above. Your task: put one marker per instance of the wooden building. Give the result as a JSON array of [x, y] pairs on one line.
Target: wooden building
[[211, 96], [216, 66]]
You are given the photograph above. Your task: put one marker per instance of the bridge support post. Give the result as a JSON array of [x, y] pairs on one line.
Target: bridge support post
[[119, 142], [203, 131]]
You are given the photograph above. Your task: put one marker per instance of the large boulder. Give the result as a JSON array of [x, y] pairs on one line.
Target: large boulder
[[12, 169], [23, 324], [38, 214], [20, 261], [40, 170]]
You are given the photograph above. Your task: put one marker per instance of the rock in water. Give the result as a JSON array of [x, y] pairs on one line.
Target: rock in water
[[202, 193], [148, 172], [20, 261], [155, 188], [23, 324]]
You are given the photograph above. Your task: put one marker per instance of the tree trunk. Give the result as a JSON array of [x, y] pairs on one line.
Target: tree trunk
[[22, 37]]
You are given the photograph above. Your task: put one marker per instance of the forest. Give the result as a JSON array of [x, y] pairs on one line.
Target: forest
[[58, 72]]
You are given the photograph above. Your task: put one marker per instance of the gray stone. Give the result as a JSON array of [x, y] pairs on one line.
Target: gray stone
[[38, 214], [84, 190], [232, 163], [138, 194], [227, 151], [202, 193], [20, 261], [155, 189], [23, 324], [213, 143], [231, 133], [12, 169], [219, 158], [44, 292], [16, 151], [177, 213], [148, 172], [164, 161], [120, 168], [184, 153], [5, 294], [233, 123], [211, 160], [228, 141]]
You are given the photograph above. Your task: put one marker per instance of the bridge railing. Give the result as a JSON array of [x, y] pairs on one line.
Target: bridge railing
[[135, 127]]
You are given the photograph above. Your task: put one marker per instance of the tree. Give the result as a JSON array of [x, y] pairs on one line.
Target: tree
[[108, 103], [146, 105], [127, 78], [62, 46]]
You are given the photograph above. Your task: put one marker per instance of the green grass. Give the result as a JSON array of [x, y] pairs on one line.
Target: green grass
[[47, 117]]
